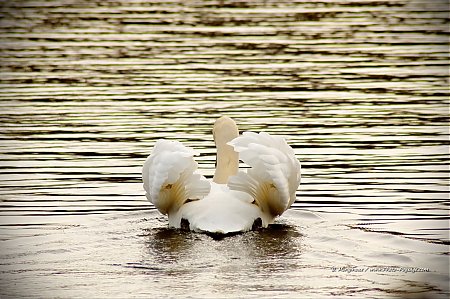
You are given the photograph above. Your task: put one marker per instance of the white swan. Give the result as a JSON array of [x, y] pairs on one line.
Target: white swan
[[236, 199]]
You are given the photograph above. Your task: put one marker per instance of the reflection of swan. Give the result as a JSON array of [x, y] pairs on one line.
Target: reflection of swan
[[177, 247], [235, 200]]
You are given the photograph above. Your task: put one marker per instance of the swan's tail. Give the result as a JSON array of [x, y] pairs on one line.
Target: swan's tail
[[274, 175], [169, 177]]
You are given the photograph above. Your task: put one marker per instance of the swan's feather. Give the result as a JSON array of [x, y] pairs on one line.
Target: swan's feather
[[223, 211], [169, 177], [274, 173]]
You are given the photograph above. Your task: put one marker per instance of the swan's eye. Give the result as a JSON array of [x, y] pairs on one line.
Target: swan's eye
[[168, 186]]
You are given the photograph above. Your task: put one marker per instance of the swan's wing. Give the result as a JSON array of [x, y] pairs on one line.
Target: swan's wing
[[170, 178], [274, 173]]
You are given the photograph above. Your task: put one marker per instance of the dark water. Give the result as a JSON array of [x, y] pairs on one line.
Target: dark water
[[359, 88]]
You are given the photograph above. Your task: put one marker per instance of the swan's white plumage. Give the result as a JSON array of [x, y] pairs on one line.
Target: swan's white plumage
[[265, 190], [170, 178], [274, 174], [222, 211]]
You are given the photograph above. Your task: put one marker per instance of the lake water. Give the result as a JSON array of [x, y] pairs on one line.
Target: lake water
[[359, 89]]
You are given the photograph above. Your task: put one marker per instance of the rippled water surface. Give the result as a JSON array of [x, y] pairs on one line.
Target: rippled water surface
[[359, 89]]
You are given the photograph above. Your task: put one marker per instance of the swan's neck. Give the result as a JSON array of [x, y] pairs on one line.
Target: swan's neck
[[227, 160], [227, 163]]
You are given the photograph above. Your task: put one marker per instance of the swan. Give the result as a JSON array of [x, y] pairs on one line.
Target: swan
[[236, 200]]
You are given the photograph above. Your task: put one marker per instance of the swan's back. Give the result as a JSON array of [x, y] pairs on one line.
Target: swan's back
[[223, 211]]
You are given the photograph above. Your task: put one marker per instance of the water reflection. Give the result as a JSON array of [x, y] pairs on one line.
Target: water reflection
[[238, 262], [276, 241], [167, 245]]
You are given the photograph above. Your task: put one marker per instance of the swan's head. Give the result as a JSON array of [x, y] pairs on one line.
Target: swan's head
[[225, 130]]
